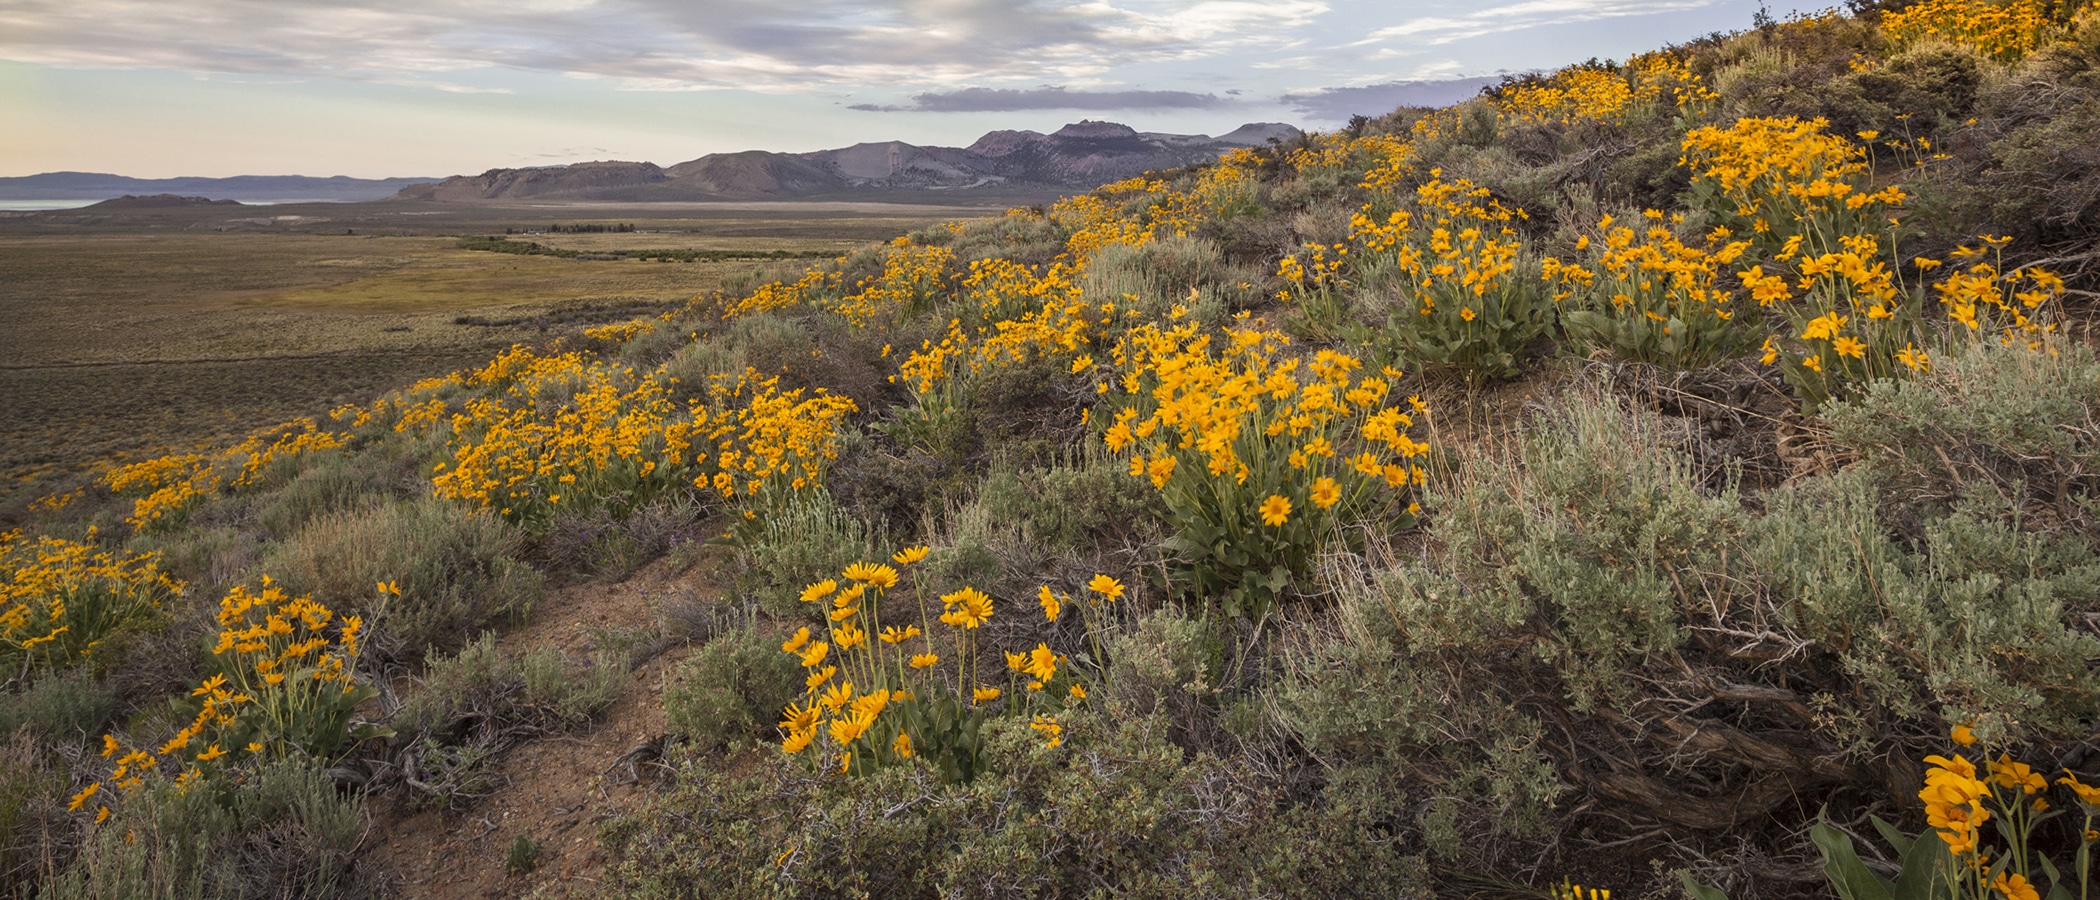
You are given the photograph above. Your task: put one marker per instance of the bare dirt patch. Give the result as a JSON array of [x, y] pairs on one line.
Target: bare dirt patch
[[555, 790]]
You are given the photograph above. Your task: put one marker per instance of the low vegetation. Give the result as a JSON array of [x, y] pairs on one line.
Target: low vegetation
[[1672, 476]]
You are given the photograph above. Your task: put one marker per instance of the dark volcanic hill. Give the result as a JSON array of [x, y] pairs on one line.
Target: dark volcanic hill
[[1080, 155], [157, 201], [88, 185]]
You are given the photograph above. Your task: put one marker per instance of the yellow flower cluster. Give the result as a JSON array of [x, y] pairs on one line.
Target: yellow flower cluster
[[868, 689], [619, 333], [768, 442], [554, 429], [1985, 301], [912, 275], [286, 685], [1823, 259], [285, 441], [1238, 435], [1096, 220], [61, 599], [2004, 31], [814, 283], [1773, 179], [563, 432], [166, 489], [1573, 94], [1646, 294], [1959, 800]]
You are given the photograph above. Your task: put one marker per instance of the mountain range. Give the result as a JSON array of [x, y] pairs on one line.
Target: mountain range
[[97, 185], [1079, 155]]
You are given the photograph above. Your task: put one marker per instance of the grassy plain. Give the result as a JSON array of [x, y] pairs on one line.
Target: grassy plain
[[135, 333]]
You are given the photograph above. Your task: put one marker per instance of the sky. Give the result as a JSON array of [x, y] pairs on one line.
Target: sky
[[391, 88]]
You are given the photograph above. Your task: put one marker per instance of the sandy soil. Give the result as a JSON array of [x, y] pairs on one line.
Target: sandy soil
[[559, 789]]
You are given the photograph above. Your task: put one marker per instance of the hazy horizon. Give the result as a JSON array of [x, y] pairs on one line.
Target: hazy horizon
[[380, 88]]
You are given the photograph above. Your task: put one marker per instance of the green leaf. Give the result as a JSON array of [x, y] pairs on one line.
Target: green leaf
[[1699, 891], [1848, 876]]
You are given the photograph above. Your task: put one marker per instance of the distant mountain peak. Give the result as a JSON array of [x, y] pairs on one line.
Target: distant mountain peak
[[1090, 129], [1079, 155]]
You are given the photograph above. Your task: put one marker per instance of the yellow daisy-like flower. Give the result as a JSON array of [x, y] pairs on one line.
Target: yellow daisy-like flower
[[1325, 492], [798, 741], [1041, 662], [1276, 510], [799, 718], [892, 635], [902, 745], [922, 660], [985, 694], [795, 644], [1078, 692], [1964, 735], [211, 753], [81, 798], [1106, 587], [819, 591], [819, 677], [814, 656], [861, 571], [1050, 605], [910, 555], [837, 696], [850, 637], [1850, 346], [967, 608], [102, 816]]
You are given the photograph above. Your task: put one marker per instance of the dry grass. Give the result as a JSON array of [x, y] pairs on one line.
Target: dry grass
[[134, 336]]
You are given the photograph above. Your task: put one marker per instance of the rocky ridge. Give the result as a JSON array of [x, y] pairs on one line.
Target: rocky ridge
[[1079, 155]]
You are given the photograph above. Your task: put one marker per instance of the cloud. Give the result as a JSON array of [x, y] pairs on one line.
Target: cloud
[[787, 45], [1008, 100], [1338, 104], [1434, 30]]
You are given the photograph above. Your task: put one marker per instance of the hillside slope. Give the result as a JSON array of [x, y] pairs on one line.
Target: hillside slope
[[1641, 475]]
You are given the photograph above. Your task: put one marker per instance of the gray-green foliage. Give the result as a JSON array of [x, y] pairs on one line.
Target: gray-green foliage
[[763, 341], [2000, 425], [1945, 567], [732, 689], [1117, 811], [66, 707], [456, 566], [1077, 506], [1968, 623], [806, 540], [476, 704], [1598, 534], [539, 690], [284, 833]]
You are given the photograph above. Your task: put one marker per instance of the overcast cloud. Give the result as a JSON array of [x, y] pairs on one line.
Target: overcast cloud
[[666, 44], [1332, 104], [380, 87], [1011, 100]]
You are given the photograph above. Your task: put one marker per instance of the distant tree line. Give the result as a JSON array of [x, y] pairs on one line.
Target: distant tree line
[[496, 244], [622, 228]]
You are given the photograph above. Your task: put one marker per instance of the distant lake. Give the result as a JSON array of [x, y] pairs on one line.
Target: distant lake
[[7, 205]]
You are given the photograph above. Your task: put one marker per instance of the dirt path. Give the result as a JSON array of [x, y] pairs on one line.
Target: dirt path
[[556, 790]]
